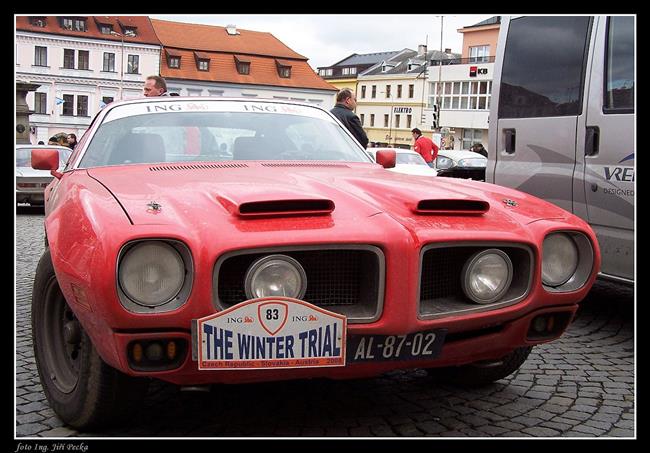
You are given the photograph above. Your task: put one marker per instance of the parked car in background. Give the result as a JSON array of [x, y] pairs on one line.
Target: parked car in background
[[295, 257], [407, 162], [31, 183], [461, 164]]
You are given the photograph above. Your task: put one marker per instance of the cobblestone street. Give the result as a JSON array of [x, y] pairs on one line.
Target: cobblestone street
[[581, 385]]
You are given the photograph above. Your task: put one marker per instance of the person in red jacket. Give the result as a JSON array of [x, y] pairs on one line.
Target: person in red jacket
[[425, 147]]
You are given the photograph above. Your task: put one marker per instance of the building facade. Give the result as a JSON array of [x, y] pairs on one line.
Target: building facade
[[460, 89], [81, 63], [204, 60], [344, 73], [393, 97]]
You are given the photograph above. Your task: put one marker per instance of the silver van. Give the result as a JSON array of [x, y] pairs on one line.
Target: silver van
[[562, 122]]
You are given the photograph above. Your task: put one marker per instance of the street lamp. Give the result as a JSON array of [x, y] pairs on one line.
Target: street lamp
[[121, 63]]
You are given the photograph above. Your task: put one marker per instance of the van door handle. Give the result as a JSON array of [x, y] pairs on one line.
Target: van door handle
[[592, 141], [510, 135]]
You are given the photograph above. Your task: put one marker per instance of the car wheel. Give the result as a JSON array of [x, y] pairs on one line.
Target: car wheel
[[81, 388], [482, 373]]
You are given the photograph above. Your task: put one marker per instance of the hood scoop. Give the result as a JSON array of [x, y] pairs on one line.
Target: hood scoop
[[196, 166], [452, 207], [282, 208]]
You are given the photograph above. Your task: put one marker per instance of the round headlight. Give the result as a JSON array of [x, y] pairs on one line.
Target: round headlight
[[559, 259], [275, 275], [151, 273], [444, 163], [487, 276]]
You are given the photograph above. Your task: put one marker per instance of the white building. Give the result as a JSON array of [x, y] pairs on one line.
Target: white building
[[80, 66], [461, 88]]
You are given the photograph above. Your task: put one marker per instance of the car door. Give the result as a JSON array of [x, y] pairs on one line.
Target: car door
[[540, 82], [609, 151]]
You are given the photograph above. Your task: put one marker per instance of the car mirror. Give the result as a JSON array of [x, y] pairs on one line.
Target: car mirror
[[386, 158], [46, 159]]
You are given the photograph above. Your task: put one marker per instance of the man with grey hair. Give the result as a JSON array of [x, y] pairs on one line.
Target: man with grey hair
[[346, 101]]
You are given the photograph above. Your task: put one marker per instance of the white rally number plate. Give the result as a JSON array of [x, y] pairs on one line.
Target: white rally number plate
[[272, 332]]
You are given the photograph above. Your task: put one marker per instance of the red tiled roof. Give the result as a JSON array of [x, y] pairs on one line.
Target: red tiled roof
[[283, 62], [263, 71], [145, 32], [216, 39]]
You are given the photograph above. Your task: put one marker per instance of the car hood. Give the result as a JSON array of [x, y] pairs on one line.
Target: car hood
[[29, 172], [457, 155], [187, 195], [419, 170]]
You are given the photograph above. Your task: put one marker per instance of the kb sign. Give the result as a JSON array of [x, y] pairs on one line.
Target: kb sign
[[474, 70]]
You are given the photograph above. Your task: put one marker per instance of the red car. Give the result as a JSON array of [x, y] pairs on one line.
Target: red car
[[201, 241]]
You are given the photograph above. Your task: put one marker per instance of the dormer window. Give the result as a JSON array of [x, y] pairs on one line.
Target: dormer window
[[326, 72], [74, 23], [173, 58], [349, 71], [284, 68], [38, 21], [106, 29], [387, 66], [202, 60], [129, 31], [243, 65]]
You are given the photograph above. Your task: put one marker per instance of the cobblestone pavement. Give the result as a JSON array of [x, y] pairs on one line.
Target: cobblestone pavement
[[581, 385]]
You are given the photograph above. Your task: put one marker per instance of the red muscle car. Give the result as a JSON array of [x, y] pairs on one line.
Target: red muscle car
[[202, 241]]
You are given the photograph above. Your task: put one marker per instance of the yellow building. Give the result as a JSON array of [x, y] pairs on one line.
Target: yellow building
[[392, 97]]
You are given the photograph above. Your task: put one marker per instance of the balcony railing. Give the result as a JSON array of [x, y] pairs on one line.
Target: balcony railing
[[469, 60]]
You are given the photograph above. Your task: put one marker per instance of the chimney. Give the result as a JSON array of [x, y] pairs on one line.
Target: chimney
[[447, 50], [422, 49], [232, 29]]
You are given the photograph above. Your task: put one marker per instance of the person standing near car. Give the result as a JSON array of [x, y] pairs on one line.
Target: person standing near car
[[478, 148], [155, 86], [346, 102], [425, 147], [72, 141]]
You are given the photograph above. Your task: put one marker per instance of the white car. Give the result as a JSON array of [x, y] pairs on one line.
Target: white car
[[407, 162], [461, 164], [30, 183]]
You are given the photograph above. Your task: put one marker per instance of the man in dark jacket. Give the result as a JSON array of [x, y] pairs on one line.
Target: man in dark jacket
[[346, 101]]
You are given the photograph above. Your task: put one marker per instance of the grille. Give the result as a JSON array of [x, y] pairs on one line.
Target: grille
[[343, 281], [180, 167], [441, 291]]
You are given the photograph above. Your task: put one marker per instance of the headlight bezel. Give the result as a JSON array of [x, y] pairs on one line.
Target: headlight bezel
[[583, 269], [260, 262], [442, 164], [175, 302], [466, 275]]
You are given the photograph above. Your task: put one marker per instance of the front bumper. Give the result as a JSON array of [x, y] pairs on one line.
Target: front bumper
[[477, 174], [461, 347]]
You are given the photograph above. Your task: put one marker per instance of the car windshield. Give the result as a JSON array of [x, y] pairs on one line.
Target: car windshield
[[410, 159], [218, 131], [24, 156]]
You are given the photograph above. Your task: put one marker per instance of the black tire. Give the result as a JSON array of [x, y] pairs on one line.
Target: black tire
[[482, 373], [80, 387]]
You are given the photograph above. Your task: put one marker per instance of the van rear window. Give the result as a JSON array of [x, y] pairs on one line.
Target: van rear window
[[543, 67]]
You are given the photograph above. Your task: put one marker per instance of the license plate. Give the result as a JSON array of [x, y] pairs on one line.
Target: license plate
[[277, 332], [414, 346]]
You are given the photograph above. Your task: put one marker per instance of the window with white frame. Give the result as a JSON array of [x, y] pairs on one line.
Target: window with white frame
[[40, 56], [109, 62], [471, 136], [479, 54], [133, 64], [40, 103], [349, 71], [461, 95]]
